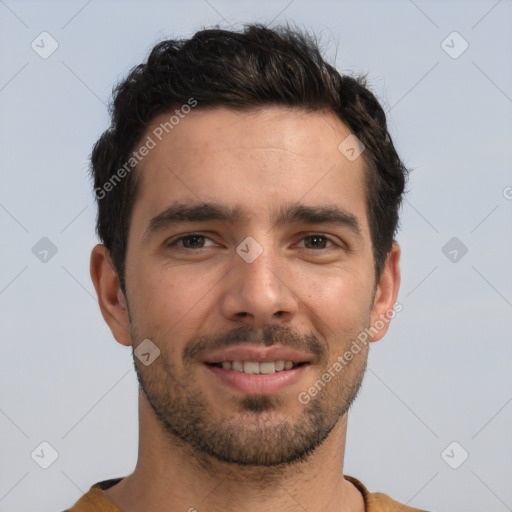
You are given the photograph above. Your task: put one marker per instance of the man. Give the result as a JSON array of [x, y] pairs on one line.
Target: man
[[248, 199]]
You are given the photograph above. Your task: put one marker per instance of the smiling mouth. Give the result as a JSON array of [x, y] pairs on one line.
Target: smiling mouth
[[257, 368]]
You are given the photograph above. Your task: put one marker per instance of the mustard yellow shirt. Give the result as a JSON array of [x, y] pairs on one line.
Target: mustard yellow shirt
[[97, 501]]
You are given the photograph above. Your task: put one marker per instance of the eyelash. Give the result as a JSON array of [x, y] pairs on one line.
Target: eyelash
[[174, 243]]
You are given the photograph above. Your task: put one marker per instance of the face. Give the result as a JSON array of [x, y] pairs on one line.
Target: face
[[249, 250]]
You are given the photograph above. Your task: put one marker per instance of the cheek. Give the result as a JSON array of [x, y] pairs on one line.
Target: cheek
[[165, 299], [339, 301]]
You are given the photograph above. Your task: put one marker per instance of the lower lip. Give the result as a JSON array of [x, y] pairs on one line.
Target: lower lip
[[258, 384]]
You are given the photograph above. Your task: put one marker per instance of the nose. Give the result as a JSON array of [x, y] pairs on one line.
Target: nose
[[259, 293]]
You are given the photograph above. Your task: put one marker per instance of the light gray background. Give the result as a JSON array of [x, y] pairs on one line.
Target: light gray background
[[442, 374]]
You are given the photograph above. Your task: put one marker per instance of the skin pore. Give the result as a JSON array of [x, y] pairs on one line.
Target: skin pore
[[275, 175]]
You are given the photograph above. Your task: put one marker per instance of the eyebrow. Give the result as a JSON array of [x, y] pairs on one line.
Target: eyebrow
[[197, 212], [292, 214], [322, 214]]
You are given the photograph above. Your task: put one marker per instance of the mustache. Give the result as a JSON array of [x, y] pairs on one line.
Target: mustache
[[268, 336]]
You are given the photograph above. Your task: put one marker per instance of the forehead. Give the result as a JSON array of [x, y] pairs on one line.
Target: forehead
[[255, 160]]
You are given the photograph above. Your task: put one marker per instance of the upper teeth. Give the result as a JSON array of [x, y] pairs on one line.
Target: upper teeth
[[255, 367]]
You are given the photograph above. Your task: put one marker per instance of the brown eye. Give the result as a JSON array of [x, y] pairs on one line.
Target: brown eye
[[316, 242], [192, 241]]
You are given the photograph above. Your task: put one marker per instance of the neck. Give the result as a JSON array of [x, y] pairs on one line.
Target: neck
[[170, 472]]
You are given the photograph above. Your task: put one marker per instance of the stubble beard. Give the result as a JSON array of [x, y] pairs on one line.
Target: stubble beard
[[256, 433]]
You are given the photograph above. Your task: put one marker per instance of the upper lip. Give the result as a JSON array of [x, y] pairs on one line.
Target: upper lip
[[256, 353]]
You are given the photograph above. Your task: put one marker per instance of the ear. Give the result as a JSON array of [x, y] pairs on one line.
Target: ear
[[111, 300], [385, 295]]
